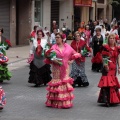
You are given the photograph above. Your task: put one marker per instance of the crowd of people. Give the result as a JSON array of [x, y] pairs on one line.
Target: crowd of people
[[51, 57]]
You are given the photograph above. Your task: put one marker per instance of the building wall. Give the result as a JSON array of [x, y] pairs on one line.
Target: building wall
[[13, 22], [47, 13], [106, 10], [66, 13], [24, 21], [85, 14]]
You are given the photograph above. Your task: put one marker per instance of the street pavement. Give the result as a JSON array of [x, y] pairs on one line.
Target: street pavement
[[25, 102]]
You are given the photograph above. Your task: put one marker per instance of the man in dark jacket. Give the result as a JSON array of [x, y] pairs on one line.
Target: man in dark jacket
[[107, 26]]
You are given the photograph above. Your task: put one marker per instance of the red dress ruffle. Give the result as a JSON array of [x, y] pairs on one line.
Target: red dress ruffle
[[109, 83], [97, 58]]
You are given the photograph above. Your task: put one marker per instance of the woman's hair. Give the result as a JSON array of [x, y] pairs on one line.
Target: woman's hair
[[102, 26], [41, 32], [111, 35], [60, 34], [87, 26], [1, 30], [35, 27], [76, 33], [98, 29]]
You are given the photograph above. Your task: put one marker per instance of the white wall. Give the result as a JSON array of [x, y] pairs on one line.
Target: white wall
[[66, 12], [46, 13]]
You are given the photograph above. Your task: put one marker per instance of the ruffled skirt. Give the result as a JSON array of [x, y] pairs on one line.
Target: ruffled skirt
[[4, 72], [41, 75], [2, 98], [60, 91], [109, 92]]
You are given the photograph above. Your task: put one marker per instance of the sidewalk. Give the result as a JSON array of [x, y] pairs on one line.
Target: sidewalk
[[16, 54]]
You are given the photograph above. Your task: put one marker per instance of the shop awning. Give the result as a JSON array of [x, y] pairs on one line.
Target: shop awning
[[83, 3]]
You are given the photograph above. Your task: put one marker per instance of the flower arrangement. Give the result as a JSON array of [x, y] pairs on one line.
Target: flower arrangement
[[105, 57], [9, 43], [51, 55], [31, 39], [84, 52]]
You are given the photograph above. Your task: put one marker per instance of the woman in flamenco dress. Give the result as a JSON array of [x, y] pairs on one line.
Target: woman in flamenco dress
[[109, 93], [4, 73], [60, 87], [4, 45], [78, 66], [39, 71], [97, 42]]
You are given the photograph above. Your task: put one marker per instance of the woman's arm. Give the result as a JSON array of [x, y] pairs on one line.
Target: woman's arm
[[118, 64]]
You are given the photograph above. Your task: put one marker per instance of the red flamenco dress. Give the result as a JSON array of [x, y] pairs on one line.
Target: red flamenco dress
[[108, 83], [2, 98]]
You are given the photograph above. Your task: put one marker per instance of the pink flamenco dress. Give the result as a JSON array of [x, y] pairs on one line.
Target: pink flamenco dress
[[60, 87], [109, 93]]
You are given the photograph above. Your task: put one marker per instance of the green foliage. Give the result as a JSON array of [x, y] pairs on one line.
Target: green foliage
[[114, 3]]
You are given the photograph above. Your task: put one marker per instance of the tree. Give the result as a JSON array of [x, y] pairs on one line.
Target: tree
[[114, 3]]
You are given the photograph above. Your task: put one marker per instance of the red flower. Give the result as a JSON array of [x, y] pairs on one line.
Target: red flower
[[9, 43], [117, 37], [97, 58], [48, 52], [106, 47], [105, 53]]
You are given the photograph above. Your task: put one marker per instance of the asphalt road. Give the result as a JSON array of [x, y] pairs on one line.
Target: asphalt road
[[25, 102]]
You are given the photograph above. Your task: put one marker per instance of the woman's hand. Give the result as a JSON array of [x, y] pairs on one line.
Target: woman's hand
[[118, 70], [106, 67], [55, 61], [70, 62]]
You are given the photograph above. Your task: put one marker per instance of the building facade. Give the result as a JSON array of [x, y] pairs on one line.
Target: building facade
[[17, 17], [103, 10]]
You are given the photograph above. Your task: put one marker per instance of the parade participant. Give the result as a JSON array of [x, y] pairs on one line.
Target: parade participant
[[93, 28], [109, 93], [4, 45], [82, 27], [107, 26], [33, 33], [45, 32], [52, 40], [103, 31], [39, 72], [2, 98], [78, 66], [88, 34], [54, 25], [113, 29], [97, 42], [33, 36], [60, 89]]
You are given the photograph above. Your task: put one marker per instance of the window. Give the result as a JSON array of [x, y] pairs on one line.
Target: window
[[100, 1], [38, 11]]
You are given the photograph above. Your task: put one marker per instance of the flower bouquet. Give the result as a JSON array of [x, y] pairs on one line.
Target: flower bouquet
[[84, 52], [31, 39], [51, 55], [105, 57]]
